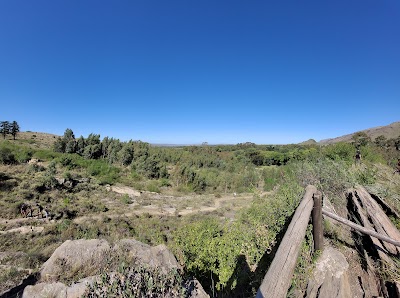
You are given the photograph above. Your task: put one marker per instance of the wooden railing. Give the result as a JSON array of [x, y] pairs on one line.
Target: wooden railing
[[278, 277]]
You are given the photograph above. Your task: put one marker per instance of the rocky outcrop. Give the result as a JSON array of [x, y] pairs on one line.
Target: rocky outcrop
[[330, 278], [58, 289], [88, 257], [75, 256], [157, 256]]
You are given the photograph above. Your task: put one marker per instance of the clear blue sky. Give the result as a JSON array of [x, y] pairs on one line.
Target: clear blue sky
[[200, 70]]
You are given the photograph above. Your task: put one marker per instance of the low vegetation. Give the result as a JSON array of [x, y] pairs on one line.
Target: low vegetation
[[227, 250]]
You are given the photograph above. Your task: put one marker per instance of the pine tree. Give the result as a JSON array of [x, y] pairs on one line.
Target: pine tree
[[4, 128], [14, 129]]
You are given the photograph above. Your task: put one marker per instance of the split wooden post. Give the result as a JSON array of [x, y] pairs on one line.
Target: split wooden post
[[317, 222]]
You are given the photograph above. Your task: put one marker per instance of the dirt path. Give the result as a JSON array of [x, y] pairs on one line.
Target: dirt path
[[24, 230], [173, 207], [167, 211]]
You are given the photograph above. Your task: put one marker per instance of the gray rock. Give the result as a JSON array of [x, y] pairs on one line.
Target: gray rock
[[78, 289], [196, 290], [330, 277], [73, 256], [85, 256], [56, 290], [157, 256]]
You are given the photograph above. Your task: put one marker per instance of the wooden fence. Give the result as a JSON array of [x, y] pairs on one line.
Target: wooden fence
[[278, 278]]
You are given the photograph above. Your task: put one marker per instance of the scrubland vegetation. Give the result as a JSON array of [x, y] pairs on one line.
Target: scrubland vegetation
[[228, 252]]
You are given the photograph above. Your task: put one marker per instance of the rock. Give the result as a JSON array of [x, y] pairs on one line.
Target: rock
[[126, 190], [157, 256], [56, 290], [73, 256], [330, 278], [84, 180], [78, 289], [196, 290], [83, 257], [61, 181]]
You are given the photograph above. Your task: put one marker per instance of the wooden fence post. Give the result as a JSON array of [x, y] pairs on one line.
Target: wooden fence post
[[317, 222]]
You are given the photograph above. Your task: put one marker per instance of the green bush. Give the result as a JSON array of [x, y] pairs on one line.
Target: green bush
[[137, 281], [46, 155], [272, 177], [34, 168], [340, 151], [126, 199], [6, 155], [23, 154], [210, 250], [103, 171], [153, 187]]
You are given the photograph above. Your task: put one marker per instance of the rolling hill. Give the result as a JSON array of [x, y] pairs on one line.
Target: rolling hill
[[389, 131]]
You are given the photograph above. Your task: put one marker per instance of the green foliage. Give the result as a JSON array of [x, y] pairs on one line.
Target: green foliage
[[72, 161], [360, 139], [381, 141], [14, 129], [164, 182], [48, 180], [366, 175], [372, 155], [331, 177], [304, 265], [34, 168], [153, 186], [209, 248], [151, 167], [137, 281], [11, 153], [45, 155], [23, 154], [272, 177], [340, 151], [6, 155], [4, 128], [63, 225], [106, 173], [126, 199]]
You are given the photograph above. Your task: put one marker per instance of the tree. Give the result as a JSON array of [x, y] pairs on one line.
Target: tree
[[80, 145], [360, 139], [4, 128], [68, 135], [381, 141], [397, 143], [14, 129], [59, 145], [126, 154], [70, 146]]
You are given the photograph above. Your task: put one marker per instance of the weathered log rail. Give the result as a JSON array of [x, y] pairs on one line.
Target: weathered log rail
[[278, 277]]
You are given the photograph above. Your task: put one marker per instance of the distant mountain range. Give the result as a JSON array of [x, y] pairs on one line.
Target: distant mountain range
[[389, 131]]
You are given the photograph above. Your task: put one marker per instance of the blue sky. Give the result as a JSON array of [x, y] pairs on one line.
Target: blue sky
[[190, 71]]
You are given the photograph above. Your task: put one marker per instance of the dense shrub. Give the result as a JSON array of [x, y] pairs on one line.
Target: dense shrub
[[137, 281], [6, 155]]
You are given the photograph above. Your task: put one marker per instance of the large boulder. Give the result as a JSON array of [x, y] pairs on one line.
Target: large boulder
[[58, 289], [330, 278], [86, 258], [74, 256], [157, 256], [55, 289]]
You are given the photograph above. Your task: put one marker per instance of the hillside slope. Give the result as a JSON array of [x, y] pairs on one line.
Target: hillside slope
[[389, 131]]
